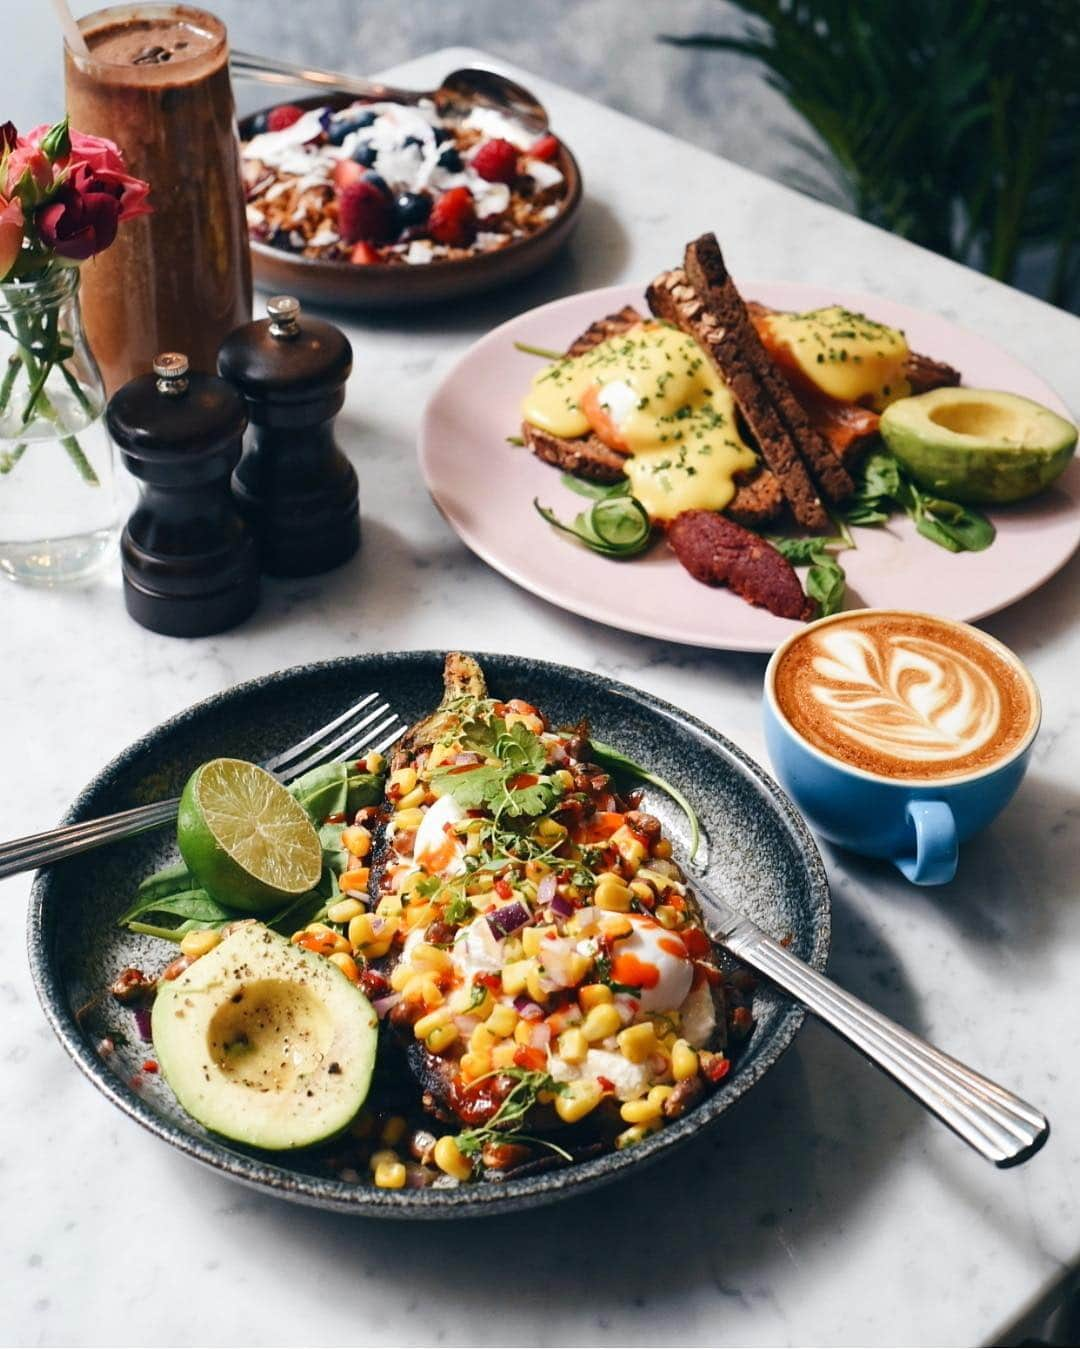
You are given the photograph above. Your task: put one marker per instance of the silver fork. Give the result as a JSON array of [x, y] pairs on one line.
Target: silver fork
[[999, 1125], [375, 730]]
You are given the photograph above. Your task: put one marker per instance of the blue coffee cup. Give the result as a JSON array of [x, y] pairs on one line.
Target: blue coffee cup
[[917, 824]]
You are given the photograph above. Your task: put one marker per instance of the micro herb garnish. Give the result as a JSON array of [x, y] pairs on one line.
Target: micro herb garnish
[[459, 910], [502, 1127], [429, 887], [501, 782], [476, 997]]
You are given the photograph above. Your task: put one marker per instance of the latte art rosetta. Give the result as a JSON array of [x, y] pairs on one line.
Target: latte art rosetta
[[907, 697]]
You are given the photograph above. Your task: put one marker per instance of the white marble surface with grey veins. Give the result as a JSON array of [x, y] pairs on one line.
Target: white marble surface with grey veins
[[826, 1208]]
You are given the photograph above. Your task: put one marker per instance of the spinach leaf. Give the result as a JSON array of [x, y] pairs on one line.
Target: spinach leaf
[[825, 583], [169, 880], [323, 791], [967, 529], [607, 756], [364, 789], [799, 552]]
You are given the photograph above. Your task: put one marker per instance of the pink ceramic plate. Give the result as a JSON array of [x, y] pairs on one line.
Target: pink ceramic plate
[[485, 489]]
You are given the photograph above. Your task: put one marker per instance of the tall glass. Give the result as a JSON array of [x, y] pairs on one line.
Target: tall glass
[[156, 82]]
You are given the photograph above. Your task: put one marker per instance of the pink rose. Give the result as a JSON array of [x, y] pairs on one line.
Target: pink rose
[[11, 234], [105, 162], [29, 173], [82, 217]]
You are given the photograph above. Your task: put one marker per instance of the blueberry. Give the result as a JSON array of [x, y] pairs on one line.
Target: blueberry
[[450, 160], [364, 118], [413, 208], [365, 154], [337, 131], [443, 133], [280, 238], [258, 123], [376, 180], [412, 140]]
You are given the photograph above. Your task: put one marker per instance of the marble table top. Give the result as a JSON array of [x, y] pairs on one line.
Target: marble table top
[[826, 1208]]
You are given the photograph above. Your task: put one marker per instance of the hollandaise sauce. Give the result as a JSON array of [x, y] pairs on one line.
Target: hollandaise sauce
[[652, 394], [844, 355]]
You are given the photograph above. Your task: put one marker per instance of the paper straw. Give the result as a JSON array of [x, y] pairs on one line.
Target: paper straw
[[72, 33]]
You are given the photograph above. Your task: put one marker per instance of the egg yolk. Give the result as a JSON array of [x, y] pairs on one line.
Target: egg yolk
[[654, 395]]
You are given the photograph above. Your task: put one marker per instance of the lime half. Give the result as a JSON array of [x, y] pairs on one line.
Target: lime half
[[246, 840]]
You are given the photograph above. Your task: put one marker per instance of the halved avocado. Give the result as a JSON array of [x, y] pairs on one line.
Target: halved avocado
[[266, 1043], [978, 444]]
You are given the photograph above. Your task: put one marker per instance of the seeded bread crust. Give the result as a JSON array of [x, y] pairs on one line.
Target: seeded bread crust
[[672, 297]]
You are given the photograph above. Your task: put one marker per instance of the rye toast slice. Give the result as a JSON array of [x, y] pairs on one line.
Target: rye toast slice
[[708, 274], [672, 298], [757, 498]]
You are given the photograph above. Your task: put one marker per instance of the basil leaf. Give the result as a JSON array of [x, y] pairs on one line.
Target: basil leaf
[[825, 583], [607, 756]]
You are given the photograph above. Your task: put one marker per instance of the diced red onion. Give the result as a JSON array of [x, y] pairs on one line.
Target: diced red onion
[[466, 1024], [546, 890], [466, 757], [562, 907], [383, 1005], [527, 1009], [142, 1023], [492, 946], [508, 918]]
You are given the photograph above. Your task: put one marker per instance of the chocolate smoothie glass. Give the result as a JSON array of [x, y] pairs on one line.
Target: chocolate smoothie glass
[[156, 82]]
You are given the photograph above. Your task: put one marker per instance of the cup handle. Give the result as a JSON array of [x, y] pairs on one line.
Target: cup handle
[[936, 847]]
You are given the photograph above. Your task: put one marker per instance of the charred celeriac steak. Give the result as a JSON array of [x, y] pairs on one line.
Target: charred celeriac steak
[[550, 978]]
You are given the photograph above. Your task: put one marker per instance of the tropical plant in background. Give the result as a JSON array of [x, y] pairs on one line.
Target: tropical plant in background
[[955, 123]]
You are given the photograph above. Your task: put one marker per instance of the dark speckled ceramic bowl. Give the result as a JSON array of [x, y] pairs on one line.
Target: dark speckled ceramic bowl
[[760, 858]]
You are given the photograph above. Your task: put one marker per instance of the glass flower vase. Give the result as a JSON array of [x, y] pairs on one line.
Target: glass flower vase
[[58, 503]]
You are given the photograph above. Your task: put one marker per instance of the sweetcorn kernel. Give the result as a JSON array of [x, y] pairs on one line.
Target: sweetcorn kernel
[[403, 780], [431, 1021], [442, 1037], [637, 1133], [408, 819], [659, 1094], [502, 1020], [412, 799], [613, 896], [474, 1065], [644, 1111], [196, 944], [594, 995], [600, 1022], [573, 1046], [577, 1099], [482, 1040], [428, 957], [393, 1131], [667, 917], [514, 976], [532, 937], [637, 1042], [502, 1056], [450, 1159], [662, 848], [534, 984], [346, 965], [343, 910], [389, 906], [390, 1175], [631, 849], [684, 1061], [523, 1033], [356, 840]]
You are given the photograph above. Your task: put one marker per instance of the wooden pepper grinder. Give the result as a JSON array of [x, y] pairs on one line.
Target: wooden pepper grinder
[[189, 561], [293, 485]]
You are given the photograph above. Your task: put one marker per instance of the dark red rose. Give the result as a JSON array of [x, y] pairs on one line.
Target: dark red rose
[[81, 218], [9, 137]]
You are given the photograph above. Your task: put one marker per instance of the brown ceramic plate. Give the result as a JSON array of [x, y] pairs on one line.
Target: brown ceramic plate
[[348, 285]]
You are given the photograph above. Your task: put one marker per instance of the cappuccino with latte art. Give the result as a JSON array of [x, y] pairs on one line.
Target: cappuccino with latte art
[[905, 696]]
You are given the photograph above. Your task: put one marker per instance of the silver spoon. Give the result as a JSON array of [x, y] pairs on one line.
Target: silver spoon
[[459, 91]]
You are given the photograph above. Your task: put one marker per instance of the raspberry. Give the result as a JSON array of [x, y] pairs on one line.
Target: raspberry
[[547, 147], [364, 212], [496, 161], [284, 116], [346, 172], [453, 218], [363, 254]]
